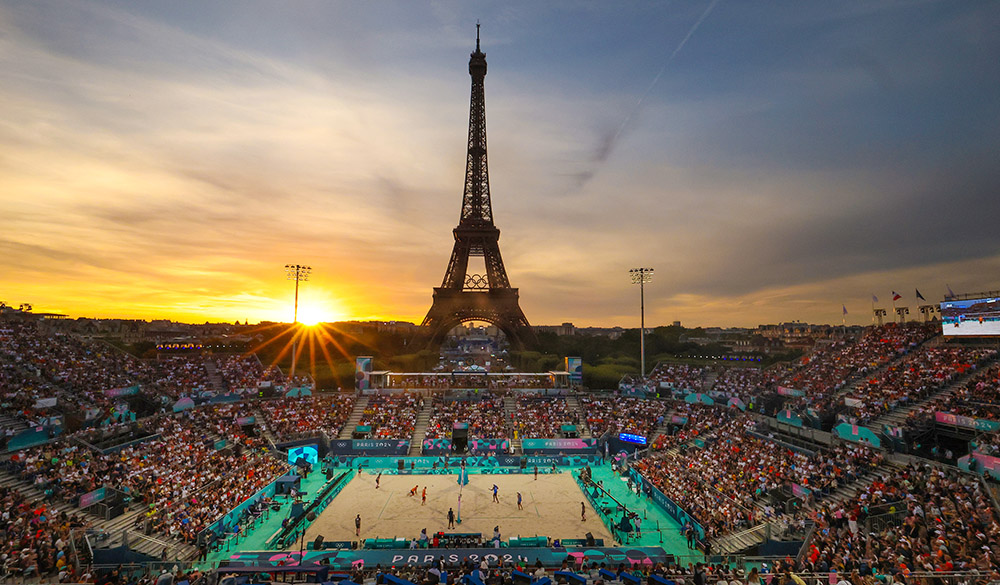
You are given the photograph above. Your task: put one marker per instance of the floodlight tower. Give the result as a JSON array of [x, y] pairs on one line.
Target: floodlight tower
[[298, 273], [641, 276]]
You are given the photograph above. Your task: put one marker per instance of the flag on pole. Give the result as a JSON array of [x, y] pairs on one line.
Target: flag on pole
[[845, 309], [896, 296], [951, 293], [874, 299], [919, 296]]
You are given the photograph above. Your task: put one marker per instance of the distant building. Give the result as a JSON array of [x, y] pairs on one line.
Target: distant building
[[560, 330]]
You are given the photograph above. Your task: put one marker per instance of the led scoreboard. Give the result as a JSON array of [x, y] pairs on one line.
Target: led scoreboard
[[630, 438]]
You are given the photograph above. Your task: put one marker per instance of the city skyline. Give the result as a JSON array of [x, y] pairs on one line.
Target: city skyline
[[771, 163]]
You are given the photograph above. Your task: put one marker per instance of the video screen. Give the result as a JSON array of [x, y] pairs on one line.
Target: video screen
[[974, 317]]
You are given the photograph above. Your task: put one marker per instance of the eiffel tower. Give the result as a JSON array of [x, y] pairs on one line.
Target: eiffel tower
[[462, 296]]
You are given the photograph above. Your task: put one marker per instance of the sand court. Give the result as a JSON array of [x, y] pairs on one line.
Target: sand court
[[551, 507]]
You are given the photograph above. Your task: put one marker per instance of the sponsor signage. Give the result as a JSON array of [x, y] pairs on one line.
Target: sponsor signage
[[532, 446], [475, 464], [789, 417], [369, 446], [362, 372], [639, 556], [183, 404], [574, 365], [800, 491], [115, 392], [476, 446], [90, 498], [978, 424]]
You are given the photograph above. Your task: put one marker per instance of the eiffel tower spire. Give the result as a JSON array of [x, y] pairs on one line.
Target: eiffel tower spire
[[476, 206], [476, 235], [475, 297]]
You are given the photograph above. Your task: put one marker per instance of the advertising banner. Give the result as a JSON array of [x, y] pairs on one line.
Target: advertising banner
[[979, 463], [574, 365], [782, 390], [369, 446], [790, 418], [697, 397], [90, 498], [555, 446], [444, 464], [343, 559], [183, 404], [115, 392], [979, 424], [46, 402], [246, 420], [475, 447], [857, 434], [362, 372], [225, 398]]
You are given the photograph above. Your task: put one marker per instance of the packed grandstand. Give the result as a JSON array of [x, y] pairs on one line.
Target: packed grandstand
[[875, 455]]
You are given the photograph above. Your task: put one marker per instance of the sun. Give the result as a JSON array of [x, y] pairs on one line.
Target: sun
[[312, 315]]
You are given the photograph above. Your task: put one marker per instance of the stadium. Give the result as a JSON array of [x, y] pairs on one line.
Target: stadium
[[202, 460]]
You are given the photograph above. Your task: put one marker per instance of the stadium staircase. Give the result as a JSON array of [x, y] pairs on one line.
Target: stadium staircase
[[107, 533], [263, 429], [709, 381], [574, 406], [509, 413], [420, 429], [153, 545], [214, 377], [354, 419], [14, 424], [743, 541]]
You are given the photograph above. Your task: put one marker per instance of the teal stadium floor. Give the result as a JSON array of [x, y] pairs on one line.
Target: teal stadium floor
[[658, 529]]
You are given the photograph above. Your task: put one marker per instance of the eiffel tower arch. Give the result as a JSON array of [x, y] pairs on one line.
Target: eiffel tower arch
[[463, 296]]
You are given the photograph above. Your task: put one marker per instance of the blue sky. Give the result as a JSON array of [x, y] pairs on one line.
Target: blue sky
[[166, 159]]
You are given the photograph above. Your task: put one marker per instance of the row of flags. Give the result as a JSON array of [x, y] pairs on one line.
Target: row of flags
[[896, 296]]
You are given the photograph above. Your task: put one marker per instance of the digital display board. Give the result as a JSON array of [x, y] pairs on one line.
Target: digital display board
[[630, 438], [973, 317]]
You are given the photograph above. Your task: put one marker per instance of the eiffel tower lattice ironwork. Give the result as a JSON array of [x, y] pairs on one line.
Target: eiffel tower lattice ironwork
[[486, 297]]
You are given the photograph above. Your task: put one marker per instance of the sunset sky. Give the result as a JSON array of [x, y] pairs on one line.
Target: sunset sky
[[772, 161]]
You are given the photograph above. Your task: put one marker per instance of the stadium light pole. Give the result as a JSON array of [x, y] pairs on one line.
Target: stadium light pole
[[298, 273], [641, 276]]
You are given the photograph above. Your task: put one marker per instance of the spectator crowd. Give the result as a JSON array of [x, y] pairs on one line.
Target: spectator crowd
[[484, 412]]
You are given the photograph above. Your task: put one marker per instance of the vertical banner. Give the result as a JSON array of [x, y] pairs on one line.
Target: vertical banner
[[91, 498], [362, 372], [574, 365]]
